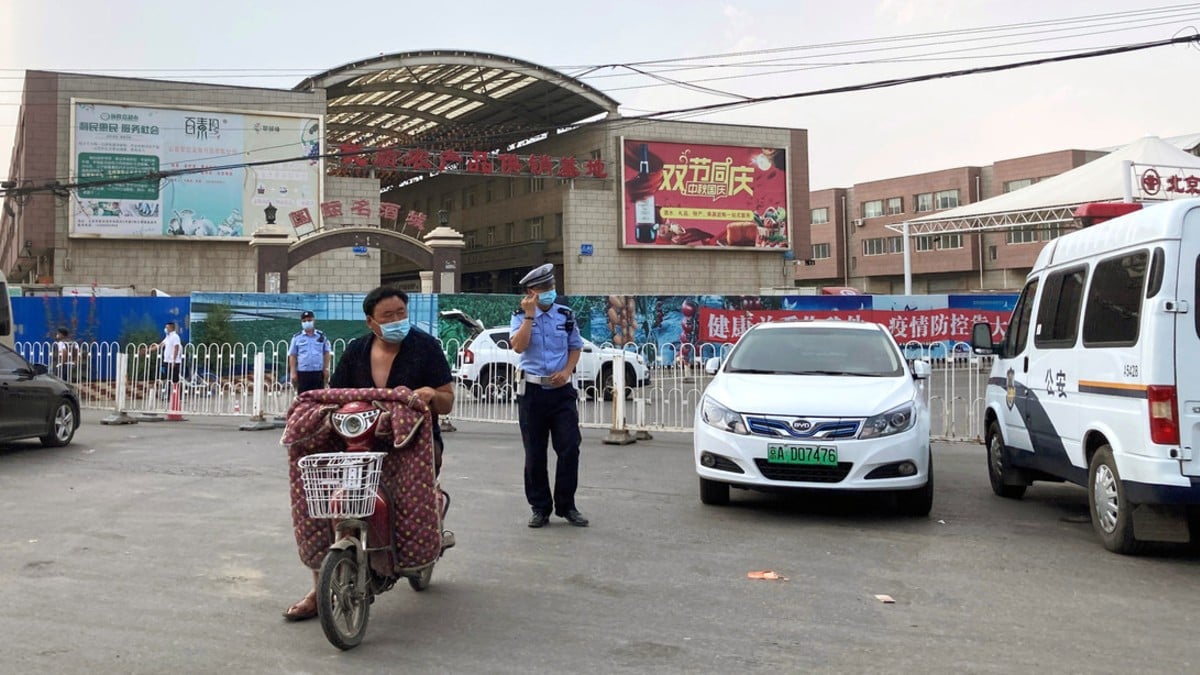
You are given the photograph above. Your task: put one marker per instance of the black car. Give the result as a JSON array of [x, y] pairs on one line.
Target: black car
[[34, 404]]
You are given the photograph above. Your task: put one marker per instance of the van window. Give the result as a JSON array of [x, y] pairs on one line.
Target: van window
[[1114, 304], [1018, 327], [1058, 312], [1157, 263]]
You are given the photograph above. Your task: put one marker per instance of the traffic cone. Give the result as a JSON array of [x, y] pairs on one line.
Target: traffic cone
[[173, 412]]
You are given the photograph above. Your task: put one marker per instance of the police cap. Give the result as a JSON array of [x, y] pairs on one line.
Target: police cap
[[539, 276], [307, 314]]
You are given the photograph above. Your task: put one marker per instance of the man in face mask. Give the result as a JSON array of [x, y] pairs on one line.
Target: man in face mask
[[309, 355], [393, 354], [548, 341]]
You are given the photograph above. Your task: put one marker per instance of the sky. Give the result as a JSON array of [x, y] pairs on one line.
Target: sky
[[773, 47]]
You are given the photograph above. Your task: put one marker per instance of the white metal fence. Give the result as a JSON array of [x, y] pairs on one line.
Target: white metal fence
[[251, 380]]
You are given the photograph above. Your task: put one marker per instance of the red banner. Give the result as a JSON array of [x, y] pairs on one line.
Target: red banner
[[684, 195], [923, 325]]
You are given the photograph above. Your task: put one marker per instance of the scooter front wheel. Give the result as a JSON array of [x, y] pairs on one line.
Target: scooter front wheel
[[421, 581], [343, 606]]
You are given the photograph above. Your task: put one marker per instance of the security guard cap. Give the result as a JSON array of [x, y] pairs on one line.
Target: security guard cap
[[306, 314], [539, 276]]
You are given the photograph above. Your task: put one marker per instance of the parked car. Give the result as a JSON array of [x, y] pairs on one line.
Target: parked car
[[815, 404], [487, 364], [34, 404]]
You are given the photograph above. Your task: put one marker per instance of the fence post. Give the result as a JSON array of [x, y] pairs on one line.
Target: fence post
[[618, 434], [258, 421], [118, 415]]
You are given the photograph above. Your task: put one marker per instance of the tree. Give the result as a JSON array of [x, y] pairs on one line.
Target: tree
[[217, 327]]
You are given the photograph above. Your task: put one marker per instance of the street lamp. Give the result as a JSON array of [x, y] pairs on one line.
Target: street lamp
[[443, 217], [270, 212]]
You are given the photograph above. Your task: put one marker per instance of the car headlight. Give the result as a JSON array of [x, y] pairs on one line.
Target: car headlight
[[716, 415], [900, 418]]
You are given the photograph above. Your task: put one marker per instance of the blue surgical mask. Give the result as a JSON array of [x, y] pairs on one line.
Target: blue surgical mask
[[306, 325], [546, 298], [395, 331]]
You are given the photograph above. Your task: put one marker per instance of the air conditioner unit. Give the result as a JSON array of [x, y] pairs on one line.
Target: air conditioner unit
[[859, 222]]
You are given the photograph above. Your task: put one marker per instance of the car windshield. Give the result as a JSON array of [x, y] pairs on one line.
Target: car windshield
[[813, 350]]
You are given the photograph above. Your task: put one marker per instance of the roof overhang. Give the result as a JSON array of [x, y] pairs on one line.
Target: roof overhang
[[423, 98]]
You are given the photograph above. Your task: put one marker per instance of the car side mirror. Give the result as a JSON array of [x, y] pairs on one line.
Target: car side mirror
[[921, 369], [39, 369], [712, 365], [981, 339]]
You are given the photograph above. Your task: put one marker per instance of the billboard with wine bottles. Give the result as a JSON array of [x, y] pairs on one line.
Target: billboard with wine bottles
[[696, 196]]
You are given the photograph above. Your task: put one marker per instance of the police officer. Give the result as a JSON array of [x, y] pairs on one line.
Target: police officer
[[546, 337], [309, 356]]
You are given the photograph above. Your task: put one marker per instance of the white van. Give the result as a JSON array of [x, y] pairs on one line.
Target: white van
[[6, 315], [1097, 380]]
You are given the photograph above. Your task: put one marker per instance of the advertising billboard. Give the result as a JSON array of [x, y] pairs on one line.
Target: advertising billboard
[[718, 197], [188, 173]]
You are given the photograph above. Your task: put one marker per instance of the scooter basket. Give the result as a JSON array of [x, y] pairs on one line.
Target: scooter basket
[[341, 484]]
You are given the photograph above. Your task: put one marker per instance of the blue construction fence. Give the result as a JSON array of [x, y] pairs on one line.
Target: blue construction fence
[[660, 326]]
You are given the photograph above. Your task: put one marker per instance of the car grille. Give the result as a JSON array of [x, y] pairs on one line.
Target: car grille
[[781, 427], [807, 474]]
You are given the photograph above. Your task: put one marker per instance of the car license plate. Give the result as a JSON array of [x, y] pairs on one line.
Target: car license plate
[[818, 455]]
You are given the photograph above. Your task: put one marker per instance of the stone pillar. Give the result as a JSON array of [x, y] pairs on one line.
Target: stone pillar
[[271, 244], [426, 281], [447, 245]]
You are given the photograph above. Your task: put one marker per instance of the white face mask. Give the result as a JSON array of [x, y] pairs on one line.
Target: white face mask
[[306, 325]]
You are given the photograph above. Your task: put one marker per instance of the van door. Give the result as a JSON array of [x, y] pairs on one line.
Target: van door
[[1011, 371], [1187, 344]]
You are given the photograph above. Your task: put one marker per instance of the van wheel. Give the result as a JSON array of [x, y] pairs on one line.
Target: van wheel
[[998, 466], [1112, 515], [714, 493]]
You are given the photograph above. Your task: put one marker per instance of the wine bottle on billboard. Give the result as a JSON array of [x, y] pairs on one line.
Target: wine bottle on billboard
[[643, 209]]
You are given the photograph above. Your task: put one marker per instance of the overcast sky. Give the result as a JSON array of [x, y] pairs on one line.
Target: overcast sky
[[853, 137]]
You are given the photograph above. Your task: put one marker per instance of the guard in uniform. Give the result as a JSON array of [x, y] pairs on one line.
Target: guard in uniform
[[546, 337], [309, 356]]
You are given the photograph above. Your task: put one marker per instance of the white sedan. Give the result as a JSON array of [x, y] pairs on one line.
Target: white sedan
[[816, 405]]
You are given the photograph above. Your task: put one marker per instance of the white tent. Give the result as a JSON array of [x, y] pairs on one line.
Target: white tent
[[1116, 176]]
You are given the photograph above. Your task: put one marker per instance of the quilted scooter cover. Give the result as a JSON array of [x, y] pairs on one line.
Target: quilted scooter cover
[[405, 432]]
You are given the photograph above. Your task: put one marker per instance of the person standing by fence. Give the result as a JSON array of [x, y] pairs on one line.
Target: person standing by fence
[[309, 356], [65, 352]]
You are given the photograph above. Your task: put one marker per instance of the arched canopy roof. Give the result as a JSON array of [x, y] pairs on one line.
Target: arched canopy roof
[[416, 98]]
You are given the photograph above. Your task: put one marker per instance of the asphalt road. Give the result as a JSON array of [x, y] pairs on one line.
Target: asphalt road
[[168, 548]]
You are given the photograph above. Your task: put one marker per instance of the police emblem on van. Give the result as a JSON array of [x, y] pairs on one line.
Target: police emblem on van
[[1010, 395]]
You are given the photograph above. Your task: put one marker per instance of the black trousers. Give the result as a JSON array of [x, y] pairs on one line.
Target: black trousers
[[550, 415], [307, 380]]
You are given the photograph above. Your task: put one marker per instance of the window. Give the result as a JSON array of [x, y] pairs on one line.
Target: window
[[510, 233], [993, 253], [924, 242], [895, 205], [535, 227], [946, 241], [468, 198], [512, 189], [1052, 231], [875, 246], [491, 236], [820, 215], [1024, 235], [558, 226], [469, 240], [489, 192], [820, 251], [1018, 328], [1011, 185], [872, 209], [924, 202], [1114, 305], [895, 244], [1058, 314], [537, 184], [946, 199]]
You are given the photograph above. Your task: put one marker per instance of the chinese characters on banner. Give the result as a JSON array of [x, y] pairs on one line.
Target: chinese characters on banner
[[355, 156], [684, 195], [924, 326]]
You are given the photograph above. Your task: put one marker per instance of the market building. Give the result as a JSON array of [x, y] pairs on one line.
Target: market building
[[439, 171]]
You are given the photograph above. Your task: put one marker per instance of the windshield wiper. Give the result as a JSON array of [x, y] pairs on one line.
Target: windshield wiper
[[751, 371], [817, 372]]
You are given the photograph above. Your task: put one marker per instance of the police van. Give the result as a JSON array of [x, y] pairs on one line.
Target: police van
[[1097, 379]]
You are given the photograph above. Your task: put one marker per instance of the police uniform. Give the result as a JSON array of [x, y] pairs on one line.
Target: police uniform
[[310, 351], [548, 413]]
